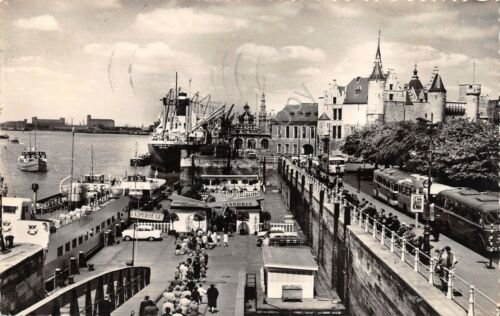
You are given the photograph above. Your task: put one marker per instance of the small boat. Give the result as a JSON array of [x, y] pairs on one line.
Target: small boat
[[141, 160], [32, 161], [4, 136], [14, 140]]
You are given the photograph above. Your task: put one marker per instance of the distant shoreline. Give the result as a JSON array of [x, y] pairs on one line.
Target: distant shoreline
[[81, 131]]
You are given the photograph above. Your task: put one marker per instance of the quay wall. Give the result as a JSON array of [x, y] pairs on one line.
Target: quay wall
[[369, 279]]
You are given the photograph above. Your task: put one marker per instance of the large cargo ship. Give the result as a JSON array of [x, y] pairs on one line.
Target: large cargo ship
[[187, 125]]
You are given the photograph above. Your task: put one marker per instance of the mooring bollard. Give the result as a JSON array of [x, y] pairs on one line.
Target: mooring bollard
[[73, 266], [82, 263]]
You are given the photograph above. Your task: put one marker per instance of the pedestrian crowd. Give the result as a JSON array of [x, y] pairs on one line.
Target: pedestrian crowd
[[186, 292], [445, 260]]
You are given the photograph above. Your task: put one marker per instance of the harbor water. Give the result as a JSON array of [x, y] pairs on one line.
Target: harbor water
[[112, 153]]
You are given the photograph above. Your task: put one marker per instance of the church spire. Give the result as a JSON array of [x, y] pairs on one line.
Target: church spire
[[377, 73]]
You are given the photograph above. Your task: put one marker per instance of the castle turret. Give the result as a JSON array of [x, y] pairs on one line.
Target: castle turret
[[436, 97], [472, 93], [376, 85]]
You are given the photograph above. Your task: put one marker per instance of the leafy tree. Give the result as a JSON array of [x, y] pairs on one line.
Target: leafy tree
[[464, 153]]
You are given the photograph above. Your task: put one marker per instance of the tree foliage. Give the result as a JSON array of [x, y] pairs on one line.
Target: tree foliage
[[464, 153]]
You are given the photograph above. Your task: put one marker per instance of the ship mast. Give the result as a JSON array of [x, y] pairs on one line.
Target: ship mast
[[92, 161]]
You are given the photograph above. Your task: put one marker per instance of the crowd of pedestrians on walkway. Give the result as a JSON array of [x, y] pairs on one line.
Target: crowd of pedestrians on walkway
[[186, 292]]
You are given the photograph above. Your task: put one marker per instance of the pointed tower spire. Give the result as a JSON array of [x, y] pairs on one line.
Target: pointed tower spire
[[437, 84], [377, 73]]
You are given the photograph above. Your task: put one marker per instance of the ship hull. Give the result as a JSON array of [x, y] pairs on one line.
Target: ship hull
[[165, 158], [37, 165]]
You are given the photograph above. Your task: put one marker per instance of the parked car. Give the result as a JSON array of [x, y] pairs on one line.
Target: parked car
[[274, 234], [142, 232]]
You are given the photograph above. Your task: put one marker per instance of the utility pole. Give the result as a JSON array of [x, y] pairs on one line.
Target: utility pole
[[427, 232]]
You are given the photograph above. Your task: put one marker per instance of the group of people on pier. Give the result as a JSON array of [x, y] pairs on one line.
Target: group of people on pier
[[185, 293]]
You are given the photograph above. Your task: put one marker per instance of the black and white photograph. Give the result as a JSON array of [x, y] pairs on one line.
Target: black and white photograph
[[249, 157]]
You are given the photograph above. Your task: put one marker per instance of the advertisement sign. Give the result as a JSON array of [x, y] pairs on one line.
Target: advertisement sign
[[149, 216], [417, 203]]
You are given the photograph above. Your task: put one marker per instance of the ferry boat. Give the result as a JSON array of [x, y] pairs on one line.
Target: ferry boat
[[140, 187], [32, 161], [61, 234], [185, 127]]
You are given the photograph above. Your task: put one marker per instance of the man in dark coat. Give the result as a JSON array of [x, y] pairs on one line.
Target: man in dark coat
[[212, 295], [143, 305], [105, 307]]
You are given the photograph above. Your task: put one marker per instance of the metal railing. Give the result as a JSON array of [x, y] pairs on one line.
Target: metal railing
[[286, 227], [119, 284], [462, 292]]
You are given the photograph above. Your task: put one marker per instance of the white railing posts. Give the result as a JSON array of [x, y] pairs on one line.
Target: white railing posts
[[360, 219], [470, 311], [417, 253], [392, 240], [403, 249], [374, 231], [431, 271], [382, 235], [449, 293]]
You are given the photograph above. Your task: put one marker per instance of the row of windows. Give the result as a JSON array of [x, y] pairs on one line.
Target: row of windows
[[389, 184], [459, 209], [78, 241], [295, 132], [287, 149]]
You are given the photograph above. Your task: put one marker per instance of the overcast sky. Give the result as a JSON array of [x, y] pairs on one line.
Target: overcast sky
[[117, 58]]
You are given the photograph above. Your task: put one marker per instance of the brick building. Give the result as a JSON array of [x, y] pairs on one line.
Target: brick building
[[295, 127]]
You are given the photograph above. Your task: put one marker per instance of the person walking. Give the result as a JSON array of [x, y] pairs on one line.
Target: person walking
[[105, 307], [212, 295], [143, 305]]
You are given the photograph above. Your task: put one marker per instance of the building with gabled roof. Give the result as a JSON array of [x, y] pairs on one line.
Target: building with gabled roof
[[293, 129], [379, 98]]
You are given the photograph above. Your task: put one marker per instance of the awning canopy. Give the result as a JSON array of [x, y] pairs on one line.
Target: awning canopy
[[245, 203], [293, 258], [179, 201]]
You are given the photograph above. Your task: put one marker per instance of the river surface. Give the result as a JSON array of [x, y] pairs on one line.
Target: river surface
[[112, 155]]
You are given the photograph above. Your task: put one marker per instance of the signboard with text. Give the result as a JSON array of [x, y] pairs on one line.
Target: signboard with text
[[149, 216], [417, 203]]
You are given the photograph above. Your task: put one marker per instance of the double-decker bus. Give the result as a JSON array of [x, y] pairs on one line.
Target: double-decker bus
[[471, 216], [386, 184]]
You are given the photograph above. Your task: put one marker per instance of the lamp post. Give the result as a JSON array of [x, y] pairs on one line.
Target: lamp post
[[427, 247]]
